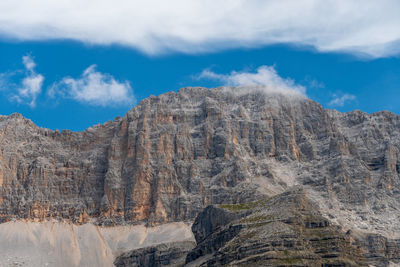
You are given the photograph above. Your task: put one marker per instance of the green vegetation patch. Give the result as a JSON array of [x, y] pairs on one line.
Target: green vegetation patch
[[256, 225], [260, 218], [244, 206], [288, 257]]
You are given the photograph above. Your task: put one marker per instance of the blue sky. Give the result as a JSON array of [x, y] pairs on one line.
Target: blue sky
[[72, 78]]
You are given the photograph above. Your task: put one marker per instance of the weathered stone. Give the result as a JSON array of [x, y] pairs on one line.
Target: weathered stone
[[212, 218], [175, 154], [286, 230], [167, 254]]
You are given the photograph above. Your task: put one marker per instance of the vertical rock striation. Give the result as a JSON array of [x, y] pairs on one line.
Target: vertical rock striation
[[173, 155]]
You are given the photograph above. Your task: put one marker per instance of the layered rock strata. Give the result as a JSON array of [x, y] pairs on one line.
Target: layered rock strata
[[285, 230], [167, 254], [173, 155]]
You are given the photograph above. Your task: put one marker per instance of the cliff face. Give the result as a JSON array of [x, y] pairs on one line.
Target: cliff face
[[167, 254], [285, 230], [173, 155]]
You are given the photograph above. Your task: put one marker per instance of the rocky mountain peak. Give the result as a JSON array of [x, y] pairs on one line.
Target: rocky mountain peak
[[172, 155]]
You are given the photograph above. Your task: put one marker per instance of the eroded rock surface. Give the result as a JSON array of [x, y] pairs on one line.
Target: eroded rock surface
[[167, 254], [285, 230], [173, 155]]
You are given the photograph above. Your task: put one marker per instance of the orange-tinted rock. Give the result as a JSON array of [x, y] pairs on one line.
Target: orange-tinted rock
[[172, 155]]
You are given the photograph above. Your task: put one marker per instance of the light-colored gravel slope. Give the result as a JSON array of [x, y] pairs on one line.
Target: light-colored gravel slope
[[63, 244]]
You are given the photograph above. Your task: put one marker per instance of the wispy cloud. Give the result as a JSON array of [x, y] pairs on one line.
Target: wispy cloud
[[340, 101], [313, 83], [156, 26], [264, 76], [3, 81], [29, 63], [31, 84], [94, 88]]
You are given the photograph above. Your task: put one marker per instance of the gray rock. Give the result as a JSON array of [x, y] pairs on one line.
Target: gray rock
[[212, 218], [286, 230], [168, 254], [174, 154]]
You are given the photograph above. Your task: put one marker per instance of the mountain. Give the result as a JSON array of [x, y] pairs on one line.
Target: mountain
[[173, 155]]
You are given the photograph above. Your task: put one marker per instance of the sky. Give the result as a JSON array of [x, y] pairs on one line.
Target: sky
[[73, 64]]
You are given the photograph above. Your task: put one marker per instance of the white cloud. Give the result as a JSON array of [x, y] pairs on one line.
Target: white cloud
[[94, 88], [154, 26], [31, 85], [339, 101], [265, 77], [28, 63]]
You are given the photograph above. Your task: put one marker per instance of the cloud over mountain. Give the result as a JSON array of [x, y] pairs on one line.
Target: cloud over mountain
[[94, 88], [340, 101], [265, 78]]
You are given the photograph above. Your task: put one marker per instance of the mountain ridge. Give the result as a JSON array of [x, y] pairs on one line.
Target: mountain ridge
[[116, 171], [118, 117]]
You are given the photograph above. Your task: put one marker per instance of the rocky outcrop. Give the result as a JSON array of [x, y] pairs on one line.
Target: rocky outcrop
[[211, 219], [377, 249], [286, 230], [167, 254], [173, 155]]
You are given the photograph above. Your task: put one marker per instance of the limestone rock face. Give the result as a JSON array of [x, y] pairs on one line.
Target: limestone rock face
[[167, 254], [286, 230], [211, 219], [173, 155]]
